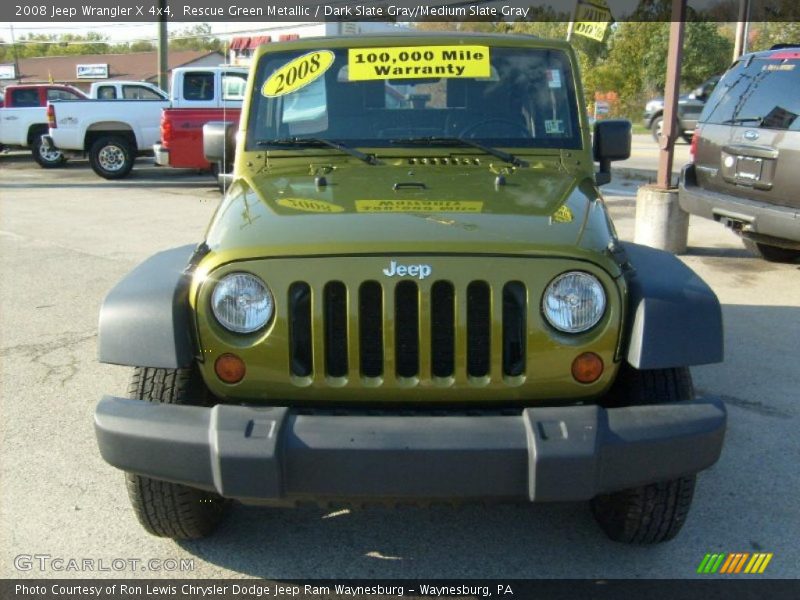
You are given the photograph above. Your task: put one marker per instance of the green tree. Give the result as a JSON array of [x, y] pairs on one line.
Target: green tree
[[766, 34], [196, 37], [637, 60]]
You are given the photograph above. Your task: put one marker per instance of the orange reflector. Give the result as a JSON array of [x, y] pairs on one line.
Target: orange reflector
[[587, 367], [229, 368]]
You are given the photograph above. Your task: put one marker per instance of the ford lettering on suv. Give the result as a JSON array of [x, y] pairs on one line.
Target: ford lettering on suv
[[412, 291]]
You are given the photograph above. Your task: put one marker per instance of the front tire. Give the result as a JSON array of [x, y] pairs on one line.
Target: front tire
[[771, 253], [656, 512], [47, 158], [111, 157], [167, 509]]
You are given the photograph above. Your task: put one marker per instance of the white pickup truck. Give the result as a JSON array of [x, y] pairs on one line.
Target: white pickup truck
[[114, 132], [23, 117]]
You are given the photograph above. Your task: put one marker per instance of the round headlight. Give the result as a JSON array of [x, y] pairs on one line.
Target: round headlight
[[574, 302], [242, 303]]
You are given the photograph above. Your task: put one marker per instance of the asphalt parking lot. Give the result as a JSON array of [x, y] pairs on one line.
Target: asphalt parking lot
[[67, 236]]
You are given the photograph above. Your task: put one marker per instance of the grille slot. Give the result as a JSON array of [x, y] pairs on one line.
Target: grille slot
[[515, 328], [443, 329], [478, 328], [335, 319], [406, 308], [370, 328], [300, 346], [440, 329]]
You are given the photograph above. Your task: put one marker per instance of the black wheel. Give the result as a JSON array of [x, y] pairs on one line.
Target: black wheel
[[651, 513], [47, 158], [771, 253], [656, 127], [170, 509], [111, 157], [687, 137]]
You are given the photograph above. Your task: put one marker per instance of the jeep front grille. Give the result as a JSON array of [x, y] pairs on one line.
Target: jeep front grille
[[379, 329]]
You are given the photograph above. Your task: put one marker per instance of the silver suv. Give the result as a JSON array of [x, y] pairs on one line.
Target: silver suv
[[746, 154]]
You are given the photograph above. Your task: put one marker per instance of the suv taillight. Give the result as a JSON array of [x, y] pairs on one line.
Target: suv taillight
[[693, 146], [51, 116]]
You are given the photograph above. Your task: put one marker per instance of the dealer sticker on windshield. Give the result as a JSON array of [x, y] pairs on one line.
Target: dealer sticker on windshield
[[410, 62], [297, 73]]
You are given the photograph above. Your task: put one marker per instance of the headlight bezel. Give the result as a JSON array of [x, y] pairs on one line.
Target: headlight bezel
[[600, 312], [230, 325]]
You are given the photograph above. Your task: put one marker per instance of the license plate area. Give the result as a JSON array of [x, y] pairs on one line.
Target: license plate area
[[748, 170]]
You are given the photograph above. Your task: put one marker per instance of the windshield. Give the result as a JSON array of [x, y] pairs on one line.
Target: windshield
[[758, 93], [387, 97]]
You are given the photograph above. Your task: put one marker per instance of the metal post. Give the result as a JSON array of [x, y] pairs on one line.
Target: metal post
[[16, 58], [740, 43], [671, 92], [163, 48]]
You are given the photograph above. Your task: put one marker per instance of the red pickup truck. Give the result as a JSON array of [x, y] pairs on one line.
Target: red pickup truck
[[181, 144]]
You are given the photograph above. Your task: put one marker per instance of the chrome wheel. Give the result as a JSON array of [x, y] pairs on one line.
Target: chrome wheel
[[111, 158]]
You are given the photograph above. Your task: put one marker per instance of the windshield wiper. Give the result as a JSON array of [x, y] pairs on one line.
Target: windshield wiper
[[505, 156], [735, 120], [299, 142]]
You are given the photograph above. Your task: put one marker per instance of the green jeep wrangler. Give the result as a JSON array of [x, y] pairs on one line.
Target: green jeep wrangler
[[412, 291]]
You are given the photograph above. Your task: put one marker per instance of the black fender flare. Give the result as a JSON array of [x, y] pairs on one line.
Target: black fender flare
[[674, 317], [145, 320]]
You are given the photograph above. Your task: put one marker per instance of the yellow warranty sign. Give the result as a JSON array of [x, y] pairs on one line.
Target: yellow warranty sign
[[591, 19], [411, 62], [306, 205], [417, 206], [297, 73]]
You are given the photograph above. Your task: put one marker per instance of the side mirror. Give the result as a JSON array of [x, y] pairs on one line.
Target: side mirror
[[219, 144], [612, 141]]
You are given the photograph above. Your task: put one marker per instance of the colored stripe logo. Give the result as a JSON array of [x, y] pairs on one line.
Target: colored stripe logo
[[734, 563]]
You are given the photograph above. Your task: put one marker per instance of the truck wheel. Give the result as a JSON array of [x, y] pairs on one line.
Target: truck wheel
[[771, 253], [651, 513], [171, 509], [656, 127], [111, 157], [48, 158]]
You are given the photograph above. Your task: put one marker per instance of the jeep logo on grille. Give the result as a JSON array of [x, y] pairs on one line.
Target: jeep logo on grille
[[418, 271]]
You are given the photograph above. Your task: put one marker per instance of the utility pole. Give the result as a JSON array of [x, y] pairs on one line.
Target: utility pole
[[740, 44], [660, 222], [671, 93], [163, 63], [16, 58]]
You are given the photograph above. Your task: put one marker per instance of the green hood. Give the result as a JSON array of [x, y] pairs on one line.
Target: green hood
[[384, 209]]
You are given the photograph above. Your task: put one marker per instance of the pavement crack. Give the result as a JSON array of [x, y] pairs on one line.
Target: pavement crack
[[56, 357], [756, 407]]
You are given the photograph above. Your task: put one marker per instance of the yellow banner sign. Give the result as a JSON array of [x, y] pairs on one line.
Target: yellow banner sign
[[591, 20], [412, 206], [297, 73], [410, 62], [306, 205]]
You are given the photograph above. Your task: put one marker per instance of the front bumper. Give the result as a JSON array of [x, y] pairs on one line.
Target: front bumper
[[753, 219], [542, 454], [162, 155]]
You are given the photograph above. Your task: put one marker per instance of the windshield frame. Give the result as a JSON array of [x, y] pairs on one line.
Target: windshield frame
[[257, 141]]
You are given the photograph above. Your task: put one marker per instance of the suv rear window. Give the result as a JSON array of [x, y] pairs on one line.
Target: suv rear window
[[758, 92]]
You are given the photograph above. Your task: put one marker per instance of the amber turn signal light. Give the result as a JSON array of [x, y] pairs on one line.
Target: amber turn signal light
[[229, 368], [587, 367]]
